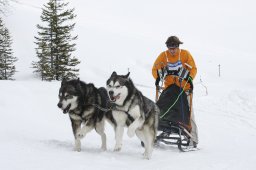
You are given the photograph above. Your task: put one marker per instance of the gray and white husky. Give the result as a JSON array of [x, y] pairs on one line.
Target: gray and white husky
[[80, 100], [130, 108]]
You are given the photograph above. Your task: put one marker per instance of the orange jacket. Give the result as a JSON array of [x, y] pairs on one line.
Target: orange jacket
[[185, 57]]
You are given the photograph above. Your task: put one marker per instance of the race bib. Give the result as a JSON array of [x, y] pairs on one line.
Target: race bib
[[172, 68]]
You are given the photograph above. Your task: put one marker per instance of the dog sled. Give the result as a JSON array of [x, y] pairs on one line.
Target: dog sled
[[175, 112], [174, 120]]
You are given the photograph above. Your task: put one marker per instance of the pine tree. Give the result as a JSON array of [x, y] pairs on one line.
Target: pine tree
[[7, 60], [4, 4], [55, 43], [42, 67]]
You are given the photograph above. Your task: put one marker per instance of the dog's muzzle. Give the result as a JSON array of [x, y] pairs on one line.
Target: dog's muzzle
[[113, 97], [67, 109], [64, 110]]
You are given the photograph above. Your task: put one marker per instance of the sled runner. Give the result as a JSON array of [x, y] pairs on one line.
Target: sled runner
[[175, 134]]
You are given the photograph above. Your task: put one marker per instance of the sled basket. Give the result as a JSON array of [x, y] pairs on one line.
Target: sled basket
[[174, 108]]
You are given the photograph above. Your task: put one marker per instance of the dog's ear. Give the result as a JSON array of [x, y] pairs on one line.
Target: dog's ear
[[113, 74], [78, 85], [77, 82], [127, 75], [64, 81]]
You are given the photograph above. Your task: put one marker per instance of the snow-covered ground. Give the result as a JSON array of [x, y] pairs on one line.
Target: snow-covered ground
[[113, 35], [35, 134]]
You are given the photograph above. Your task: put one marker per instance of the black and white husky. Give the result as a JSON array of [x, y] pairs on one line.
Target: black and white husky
[[130, 108], [82, 101]]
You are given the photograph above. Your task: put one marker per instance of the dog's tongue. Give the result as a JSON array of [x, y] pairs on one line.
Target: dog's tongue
[[66, 109], [113, 98]]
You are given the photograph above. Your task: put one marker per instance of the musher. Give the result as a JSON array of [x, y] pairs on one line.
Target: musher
[[172, 60]]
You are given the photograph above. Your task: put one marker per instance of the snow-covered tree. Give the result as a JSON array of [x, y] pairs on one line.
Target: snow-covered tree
[[7, 60], [4, 5]]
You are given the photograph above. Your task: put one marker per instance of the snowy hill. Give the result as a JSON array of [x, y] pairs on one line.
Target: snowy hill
[[113, 35]]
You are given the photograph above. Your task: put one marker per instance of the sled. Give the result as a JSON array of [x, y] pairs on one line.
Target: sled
[[174, 134], [174, 122]]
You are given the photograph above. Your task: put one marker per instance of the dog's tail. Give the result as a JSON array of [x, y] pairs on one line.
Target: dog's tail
[[104, 97], [106, 104]]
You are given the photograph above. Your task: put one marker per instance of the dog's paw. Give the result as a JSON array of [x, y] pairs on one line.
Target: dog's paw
[[77, 145], [146, 156], [103, 148], [117, 148], [130, 132], [78, 149]]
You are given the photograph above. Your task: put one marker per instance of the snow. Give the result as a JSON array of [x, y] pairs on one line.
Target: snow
[[115, 35]]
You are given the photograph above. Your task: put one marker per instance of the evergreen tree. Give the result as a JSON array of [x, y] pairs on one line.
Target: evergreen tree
[[7, 60], [4, 4], [55, 43], [42, 67]]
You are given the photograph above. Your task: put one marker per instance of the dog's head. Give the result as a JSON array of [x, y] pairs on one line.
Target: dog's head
[[68, 95], [118, 88]]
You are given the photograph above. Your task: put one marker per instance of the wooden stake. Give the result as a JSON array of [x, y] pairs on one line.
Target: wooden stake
[[219, 70]]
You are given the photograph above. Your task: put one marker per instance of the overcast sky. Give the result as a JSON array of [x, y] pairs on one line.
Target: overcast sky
[[132, 33]]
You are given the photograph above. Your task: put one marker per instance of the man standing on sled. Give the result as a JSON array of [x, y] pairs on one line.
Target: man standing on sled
[[177, 66]]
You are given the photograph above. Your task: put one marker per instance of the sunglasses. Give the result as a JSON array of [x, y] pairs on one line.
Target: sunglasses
[[172, 46]]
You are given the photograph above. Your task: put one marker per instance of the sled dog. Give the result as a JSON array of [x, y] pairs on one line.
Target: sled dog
[[81, 102], [130, 108]]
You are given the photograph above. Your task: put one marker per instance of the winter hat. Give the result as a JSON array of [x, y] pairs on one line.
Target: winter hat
[[173, 42]]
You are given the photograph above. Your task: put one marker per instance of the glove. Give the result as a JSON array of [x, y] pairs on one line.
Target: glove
[[190, 81], [157, 81], [189, 78]]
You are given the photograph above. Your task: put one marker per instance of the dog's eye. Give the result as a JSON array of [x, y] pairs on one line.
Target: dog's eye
[[118, 87], [68, 96]]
